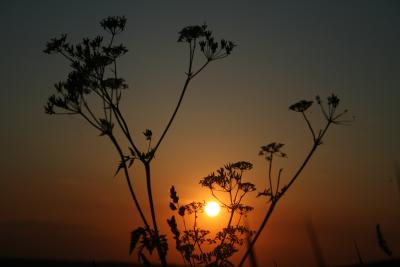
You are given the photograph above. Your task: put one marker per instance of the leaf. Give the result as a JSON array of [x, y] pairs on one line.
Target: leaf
[[144, 260], [135, 237], [131, 162], [120, 166]]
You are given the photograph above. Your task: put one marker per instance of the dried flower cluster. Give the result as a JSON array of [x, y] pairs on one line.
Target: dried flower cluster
[[195, 244]]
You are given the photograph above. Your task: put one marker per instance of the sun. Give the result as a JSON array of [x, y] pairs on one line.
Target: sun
[[212, 208]]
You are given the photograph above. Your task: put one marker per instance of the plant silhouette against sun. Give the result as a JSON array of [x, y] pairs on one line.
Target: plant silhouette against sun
[[228, 181], [275, 189], [93, 90], [225, 183]]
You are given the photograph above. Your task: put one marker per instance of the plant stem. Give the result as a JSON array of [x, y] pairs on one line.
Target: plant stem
[[161, 254], [269, 174], [229, 225], [115, 142], [173, 114], [253, 241], [274, 201], [190, 76]]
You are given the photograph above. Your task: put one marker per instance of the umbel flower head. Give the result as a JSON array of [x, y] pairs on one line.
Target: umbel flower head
[[211, 48], [272, 149], [190, 33], [301, 106]]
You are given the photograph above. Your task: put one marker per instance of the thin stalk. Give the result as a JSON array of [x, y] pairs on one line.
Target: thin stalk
[[229, 225], [253, 241], [223, 239], [196, 241], [161, 254], [174, 113], [358, 253], [218, 199], [317, 142], [190, 76], [128, 180], [90, 122], [309, 125], [121, 121], [123, 125], [277, 184], [269, 174]]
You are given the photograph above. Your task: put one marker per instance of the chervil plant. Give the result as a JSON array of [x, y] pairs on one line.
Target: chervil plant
[[228, 181], [93, 90], [275, 188]]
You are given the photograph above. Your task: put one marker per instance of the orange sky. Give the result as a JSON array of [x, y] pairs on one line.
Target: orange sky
[[58, 197]]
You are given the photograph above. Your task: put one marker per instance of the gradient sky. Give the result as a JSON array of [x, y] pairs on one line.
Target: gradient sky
[[58, 197]]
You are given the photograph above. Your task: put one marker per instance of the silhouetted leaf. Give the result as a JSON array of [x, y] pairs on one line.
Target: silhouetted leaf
[[131, 162], [135, 237], [144, 260], [121, 165]]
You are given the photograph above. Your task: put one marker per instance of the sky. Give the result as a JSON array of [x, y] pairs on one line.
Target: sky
[[58, 196]]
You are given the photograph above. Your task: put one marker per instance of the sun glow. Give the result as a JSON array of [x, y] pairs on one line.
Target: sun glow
[[212, 209]]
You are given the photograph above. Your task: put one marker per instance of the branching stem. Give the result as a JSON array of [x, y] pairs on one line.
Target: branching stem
[[274, 201]]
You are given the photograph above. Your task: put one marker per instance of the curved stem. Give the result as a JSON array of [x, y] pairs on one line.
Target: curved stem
[[196, 236], [185, 86], [253, 241], [309, 125], [174, 113], [161, 254], [128, 180], [274, 201]]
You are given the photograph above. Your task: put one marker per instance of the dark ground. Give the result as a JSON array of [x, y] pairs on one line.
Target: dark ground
[[60, 263]]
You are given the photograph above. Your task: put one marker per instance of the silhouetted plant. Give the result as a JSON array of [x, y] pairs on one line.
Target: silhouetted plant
[[360, 260], [275, 188], [226, 242], [94, 76], [382, 242], [228, 181]]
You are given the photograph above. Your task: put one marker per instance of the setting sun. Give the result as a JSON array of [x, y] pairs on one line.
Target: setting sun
[[212, 209]]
